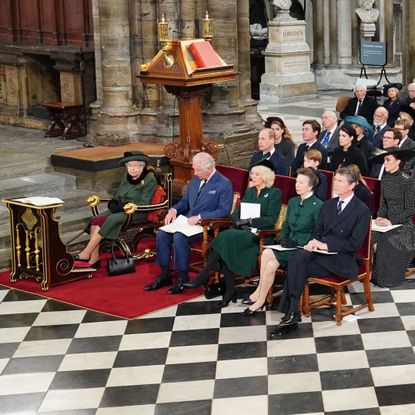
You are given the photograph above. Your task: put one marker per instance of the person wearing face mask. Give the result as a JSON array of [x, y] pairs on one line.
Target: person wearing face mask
[[137, 186]]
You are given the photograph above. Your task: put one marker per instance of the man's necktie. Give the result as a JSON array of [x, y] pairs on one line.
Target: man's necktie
[[339, 206], [358, 106], [266, 156], [326, 139], [377, 129], [203, 184]]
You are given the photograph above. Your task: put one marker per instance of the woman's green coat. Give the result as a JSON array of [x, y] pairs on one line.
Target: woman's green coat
[[139, 193], [299, 224], [239, 248]]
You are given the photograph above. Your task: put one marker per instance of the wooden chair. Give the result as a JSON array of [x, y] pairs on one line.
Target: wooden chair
[[132, 232], [342, 102], [336, 298]]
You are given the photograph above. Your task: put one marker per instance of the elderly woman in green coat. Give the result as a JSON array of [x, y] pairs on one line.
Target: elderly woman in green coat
[[137, 186], [236, 250], [302, 214]]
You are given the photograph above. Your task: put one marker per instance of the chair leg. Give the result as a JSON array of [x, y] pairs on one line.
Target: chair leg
[[339, 296], [306, 300], [343, 297], [368, 293]]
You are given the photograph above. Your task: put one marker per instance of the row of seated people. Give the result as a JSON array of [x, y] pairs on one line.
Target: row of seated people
[[235, 251], [354, 142], [365, 105], [209, 195]]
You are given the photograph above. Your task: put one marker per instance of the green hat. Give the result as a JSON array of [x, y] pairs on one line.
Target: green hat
[[134, 156]]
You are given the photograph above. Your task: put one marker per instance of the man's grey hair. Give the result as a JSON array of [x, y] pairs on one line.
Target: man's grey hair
[[349, 173], [207, 162], [361, 86], [331, 114]]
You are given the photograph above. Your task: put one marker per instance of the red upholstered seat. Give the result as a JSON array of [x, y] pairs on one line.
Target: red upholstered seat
[[238, 177], [374, 187], [329, 175]]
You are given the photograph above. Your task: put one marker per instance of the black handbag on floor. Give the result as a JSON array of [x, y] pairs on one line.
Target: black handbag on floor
[[120, 265]]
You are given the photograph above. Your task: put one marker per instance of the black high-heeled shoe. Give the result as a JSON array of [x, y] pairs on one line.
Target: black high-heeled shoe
[[249, 312], [95, 265], [225, 303], [247, 301]]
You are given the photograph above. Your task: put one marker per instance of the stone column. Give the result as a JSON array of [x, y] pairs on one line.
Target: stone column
[[344, 32], [409, 44], [117, 116]]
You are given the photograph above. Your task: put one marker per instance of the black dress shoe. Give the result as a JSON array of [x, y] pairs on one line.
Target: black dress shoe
[[290, 319], [225, 303], [157, 283], [177, 288], [190, 284], [247, 301], [249, 312]]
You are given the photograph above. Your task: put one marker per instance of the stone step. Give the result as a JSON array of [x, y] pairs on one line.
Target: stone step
[[15, 165], [36, 185]]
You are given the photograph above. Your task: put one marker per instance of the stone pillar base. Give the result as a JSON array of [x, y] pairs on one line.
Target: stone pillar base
[[287, 64], [113, 129]]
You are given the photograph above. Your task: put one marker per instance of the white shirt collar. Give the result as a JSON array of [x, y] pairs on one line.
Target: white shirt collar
[[271, 152], [346, 201]]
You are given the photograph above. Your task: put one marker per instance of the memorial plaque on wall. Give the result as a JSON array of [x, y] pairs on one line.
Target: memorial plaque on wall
[[373, 53]]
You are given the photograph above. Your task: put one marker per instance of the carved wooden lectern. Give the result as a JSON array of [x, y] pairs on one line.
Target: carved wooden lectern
[[176, 68], [36, 248]]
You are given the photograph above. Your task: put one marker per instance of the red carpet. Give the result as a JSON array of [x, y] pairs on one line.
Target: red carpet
[[121, 296]]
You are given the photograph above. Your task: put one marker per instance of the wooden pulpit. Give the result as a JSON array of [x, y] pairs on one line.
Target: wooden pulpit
[[187, 68], [36, 248]]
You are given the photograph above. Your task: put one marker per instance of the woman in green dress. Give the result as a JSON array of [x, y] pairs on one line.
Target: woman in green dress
[[137, 186], [236, 250], [302, 214]]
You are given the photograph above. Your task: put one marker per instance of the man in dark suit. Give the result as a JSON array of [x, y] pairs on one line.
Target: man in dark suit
[[310, 131], [404, 125], [391, 139], [361, 104], [341, 227], [380, 125], [209, 195], [266, 139], [329, 137]]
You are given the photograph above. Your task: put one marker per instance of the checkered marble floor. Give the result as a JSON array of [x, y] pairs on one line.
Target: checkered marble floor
[[193, 359]]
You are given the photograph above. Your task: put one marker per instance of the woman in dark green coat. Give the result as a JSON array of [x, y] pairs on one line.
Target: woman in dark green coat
[[137, 186], [236, 250], [302, 214]]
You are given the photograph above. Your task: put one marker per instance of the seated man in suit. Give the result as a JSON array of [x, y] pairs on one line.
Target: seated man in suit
[[209, 195], [410, 89], [266, 145], [361, 104], [341, 227], [310, 131], [380, 125], [404, 125], [391, 138], [329, 137]]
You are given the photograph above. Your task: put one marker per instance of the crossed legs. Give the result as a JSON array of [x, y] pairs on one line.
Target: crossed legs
[[91, 251], [269, 265]]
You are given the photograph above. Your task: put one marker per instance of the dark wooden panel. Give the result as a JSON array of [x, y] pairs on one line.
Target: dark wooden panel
[[6, 34], [29, 21], [48, 22], [74, 22]]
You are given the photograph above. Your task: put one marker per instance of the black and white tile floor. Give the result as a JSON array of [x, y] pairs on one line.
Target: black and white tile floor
[[193, 359]]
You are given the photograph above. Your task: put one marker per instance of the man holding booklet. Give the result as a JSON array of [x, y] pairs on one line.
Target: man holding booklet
[[209, 195], [340, 229]]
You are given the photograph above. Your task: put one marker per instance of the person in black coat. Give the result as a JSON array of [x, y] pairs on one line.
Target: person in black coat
[[361, 104], [310, 131], [341, 227], [284, 143], [393, 102], [380, 125], [267, 151], [348, 153]]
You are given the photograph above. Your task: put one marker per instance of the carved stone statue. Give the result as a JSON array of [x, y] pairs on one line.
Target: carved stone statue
[[282, 10], [366, 12]]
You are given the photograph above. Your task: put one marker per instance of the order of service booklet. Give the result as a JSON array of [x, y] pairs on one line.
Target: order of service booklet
[[181, 225]]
